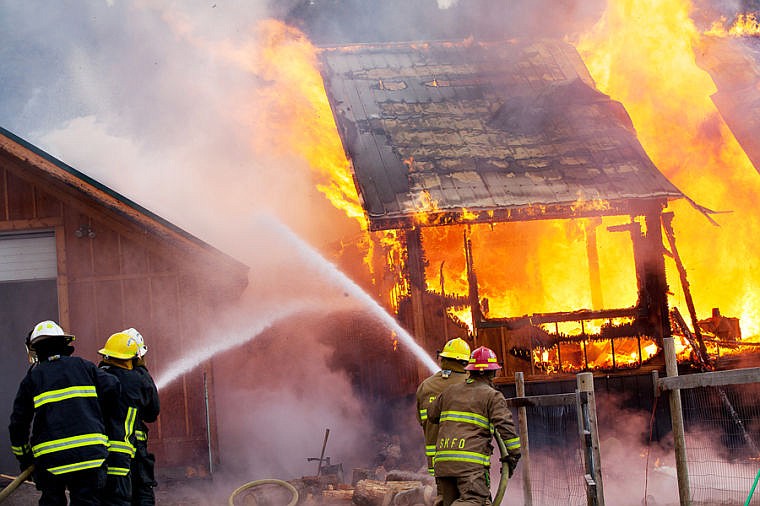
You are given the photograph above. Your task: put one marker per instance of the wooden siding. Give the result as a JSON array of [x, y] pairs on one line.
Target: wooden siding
[[125, 277]]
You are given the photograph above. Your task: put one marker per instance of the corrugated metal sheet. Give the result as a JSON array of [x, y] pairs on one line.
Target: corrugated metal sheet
[[504, 130]]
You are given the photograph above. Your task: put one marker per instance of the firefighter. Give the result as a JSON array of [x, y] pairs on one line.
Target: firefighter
[[143, 475], [467, 414], [118, 354], [65, 400], [453, 359]]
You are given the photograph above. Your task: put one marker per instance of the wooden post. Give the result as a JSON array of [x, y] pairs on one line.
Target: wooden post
[[416, 271], [592, 253], [676, 417], [589, 432], [522, 417]]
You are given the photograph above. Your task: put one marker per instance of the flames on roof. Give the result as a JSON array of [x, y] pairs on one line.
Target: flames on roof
[[481, 132]]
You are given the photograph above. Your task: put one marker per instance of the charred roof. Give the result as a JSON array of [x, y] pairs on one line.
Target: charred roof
[[484, 132]]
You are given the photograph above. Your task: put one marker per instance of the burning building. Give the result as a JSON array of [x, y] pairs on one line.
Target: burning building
[[476, 162]]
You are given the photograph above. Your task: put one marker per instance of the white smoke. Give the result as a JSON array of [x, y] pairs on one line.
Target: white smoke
[[446, 4]]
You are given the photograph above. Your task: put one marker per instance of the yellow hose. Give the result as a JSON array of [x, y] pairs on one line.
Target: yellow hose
[[504, 471], [269, 481], [8, 490]]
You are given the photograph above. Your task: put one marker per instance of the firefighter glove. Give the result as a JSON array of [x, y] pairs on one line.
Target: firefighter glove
[[511, 461], [24, 461]]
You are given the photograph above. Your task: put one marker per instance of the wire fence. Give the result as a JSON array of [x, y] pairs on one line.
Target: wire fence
[[722, 433], [556, 462]]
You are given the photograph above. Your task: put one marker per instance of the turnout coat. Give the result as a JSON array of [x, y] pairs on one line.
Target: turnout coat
[[467, 415], [63, 400]]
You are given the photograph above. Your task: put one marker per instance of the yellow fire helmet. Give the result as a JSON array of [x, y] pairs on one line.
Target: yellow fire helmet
[[120, 345], [456, 348]]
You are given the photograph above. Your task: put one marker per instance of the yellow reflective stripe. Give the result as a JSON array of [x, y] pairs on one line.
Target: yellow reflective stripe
[[465, 417], [429, 450], [69, 443], [77, 466], [121, 447], [129, 427], [513, 443], [423, 414], [118, 471], [63, 394], [141, 435], [431, 471], [20, 450], [461, 456]]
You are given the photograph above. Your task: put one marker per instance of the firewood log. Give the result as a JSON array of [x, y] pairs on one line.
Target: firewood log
[[380, 493]]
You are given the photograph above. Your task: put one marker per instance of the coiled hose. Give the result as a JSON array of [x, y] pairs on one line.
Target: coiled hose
[[268, 481]]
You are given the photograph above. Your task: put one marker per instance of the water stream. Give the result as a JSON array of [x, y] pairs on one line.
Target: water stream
[[313, 263]]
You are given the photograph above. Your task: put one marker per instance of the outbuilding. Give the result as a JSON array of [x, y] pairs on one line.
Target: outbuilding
[[74, 251]]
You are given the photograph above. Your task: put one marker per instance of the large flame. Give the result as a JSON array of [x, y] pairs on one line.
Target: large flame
[[298, 114], [650, 67]]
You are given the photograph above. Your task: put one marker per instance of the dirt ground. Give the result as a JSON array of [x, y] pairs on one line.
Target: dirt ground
[[168, 493]]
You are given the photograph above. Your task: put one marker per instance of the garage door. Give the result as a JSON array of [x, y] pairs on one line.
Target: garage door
[[28, 294]]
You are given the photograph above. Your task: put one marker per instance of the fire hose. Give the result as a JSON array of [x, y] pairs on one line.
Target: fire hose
[[504, 471], [21, 478], [268, 481]]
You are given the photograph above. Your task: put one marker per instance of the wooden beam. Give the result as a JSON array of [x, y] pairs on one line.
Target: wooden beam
[[37, 223], [710, 379], [542, 400]]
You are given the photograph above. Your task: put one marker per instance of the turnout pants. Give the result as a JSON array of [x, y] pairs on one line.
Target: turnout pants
[[84, 487], [468, 489], [143, 476]]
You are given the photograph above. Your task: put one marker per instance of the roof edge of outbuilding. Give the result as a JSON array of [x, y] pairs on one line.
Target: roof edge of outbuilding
[[116, 201]]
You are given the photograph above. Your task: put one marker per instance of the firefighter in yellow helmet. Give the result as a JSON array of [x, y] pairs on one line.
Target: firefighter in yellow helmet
[[453, 359], [143, 475], [63, 400], [118, 354], [467, 415]]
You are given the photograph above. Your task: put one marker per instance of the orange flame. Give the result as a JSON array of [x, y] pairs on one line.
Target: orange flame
[[294, 90], [745, 25], [654, 74]]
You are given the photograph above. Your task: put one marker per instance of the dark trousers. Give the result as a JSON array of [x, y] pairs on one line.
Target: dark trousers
[[84, 487], [117, 492], [470, 489], [143, 477]]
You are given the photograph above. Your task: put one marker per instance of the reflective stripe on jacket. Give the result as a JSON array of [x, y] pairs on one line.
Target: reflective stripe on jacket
[[468, 414], [61, 400], [426, 394], [136, 399]]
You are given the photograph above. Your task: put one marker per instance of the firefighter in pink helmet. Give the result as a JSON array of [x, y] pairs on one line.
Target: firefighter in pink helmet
[[466, 415]]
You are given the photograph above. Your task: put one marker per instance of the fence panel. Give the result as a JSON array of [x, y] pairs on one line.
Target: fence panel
[[718, 412], [554, 457], [722, 427]]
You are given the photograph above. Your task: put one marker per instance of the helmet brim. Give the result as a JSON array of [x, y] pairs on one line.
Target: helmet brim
[[120, 356], [482, 367]]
